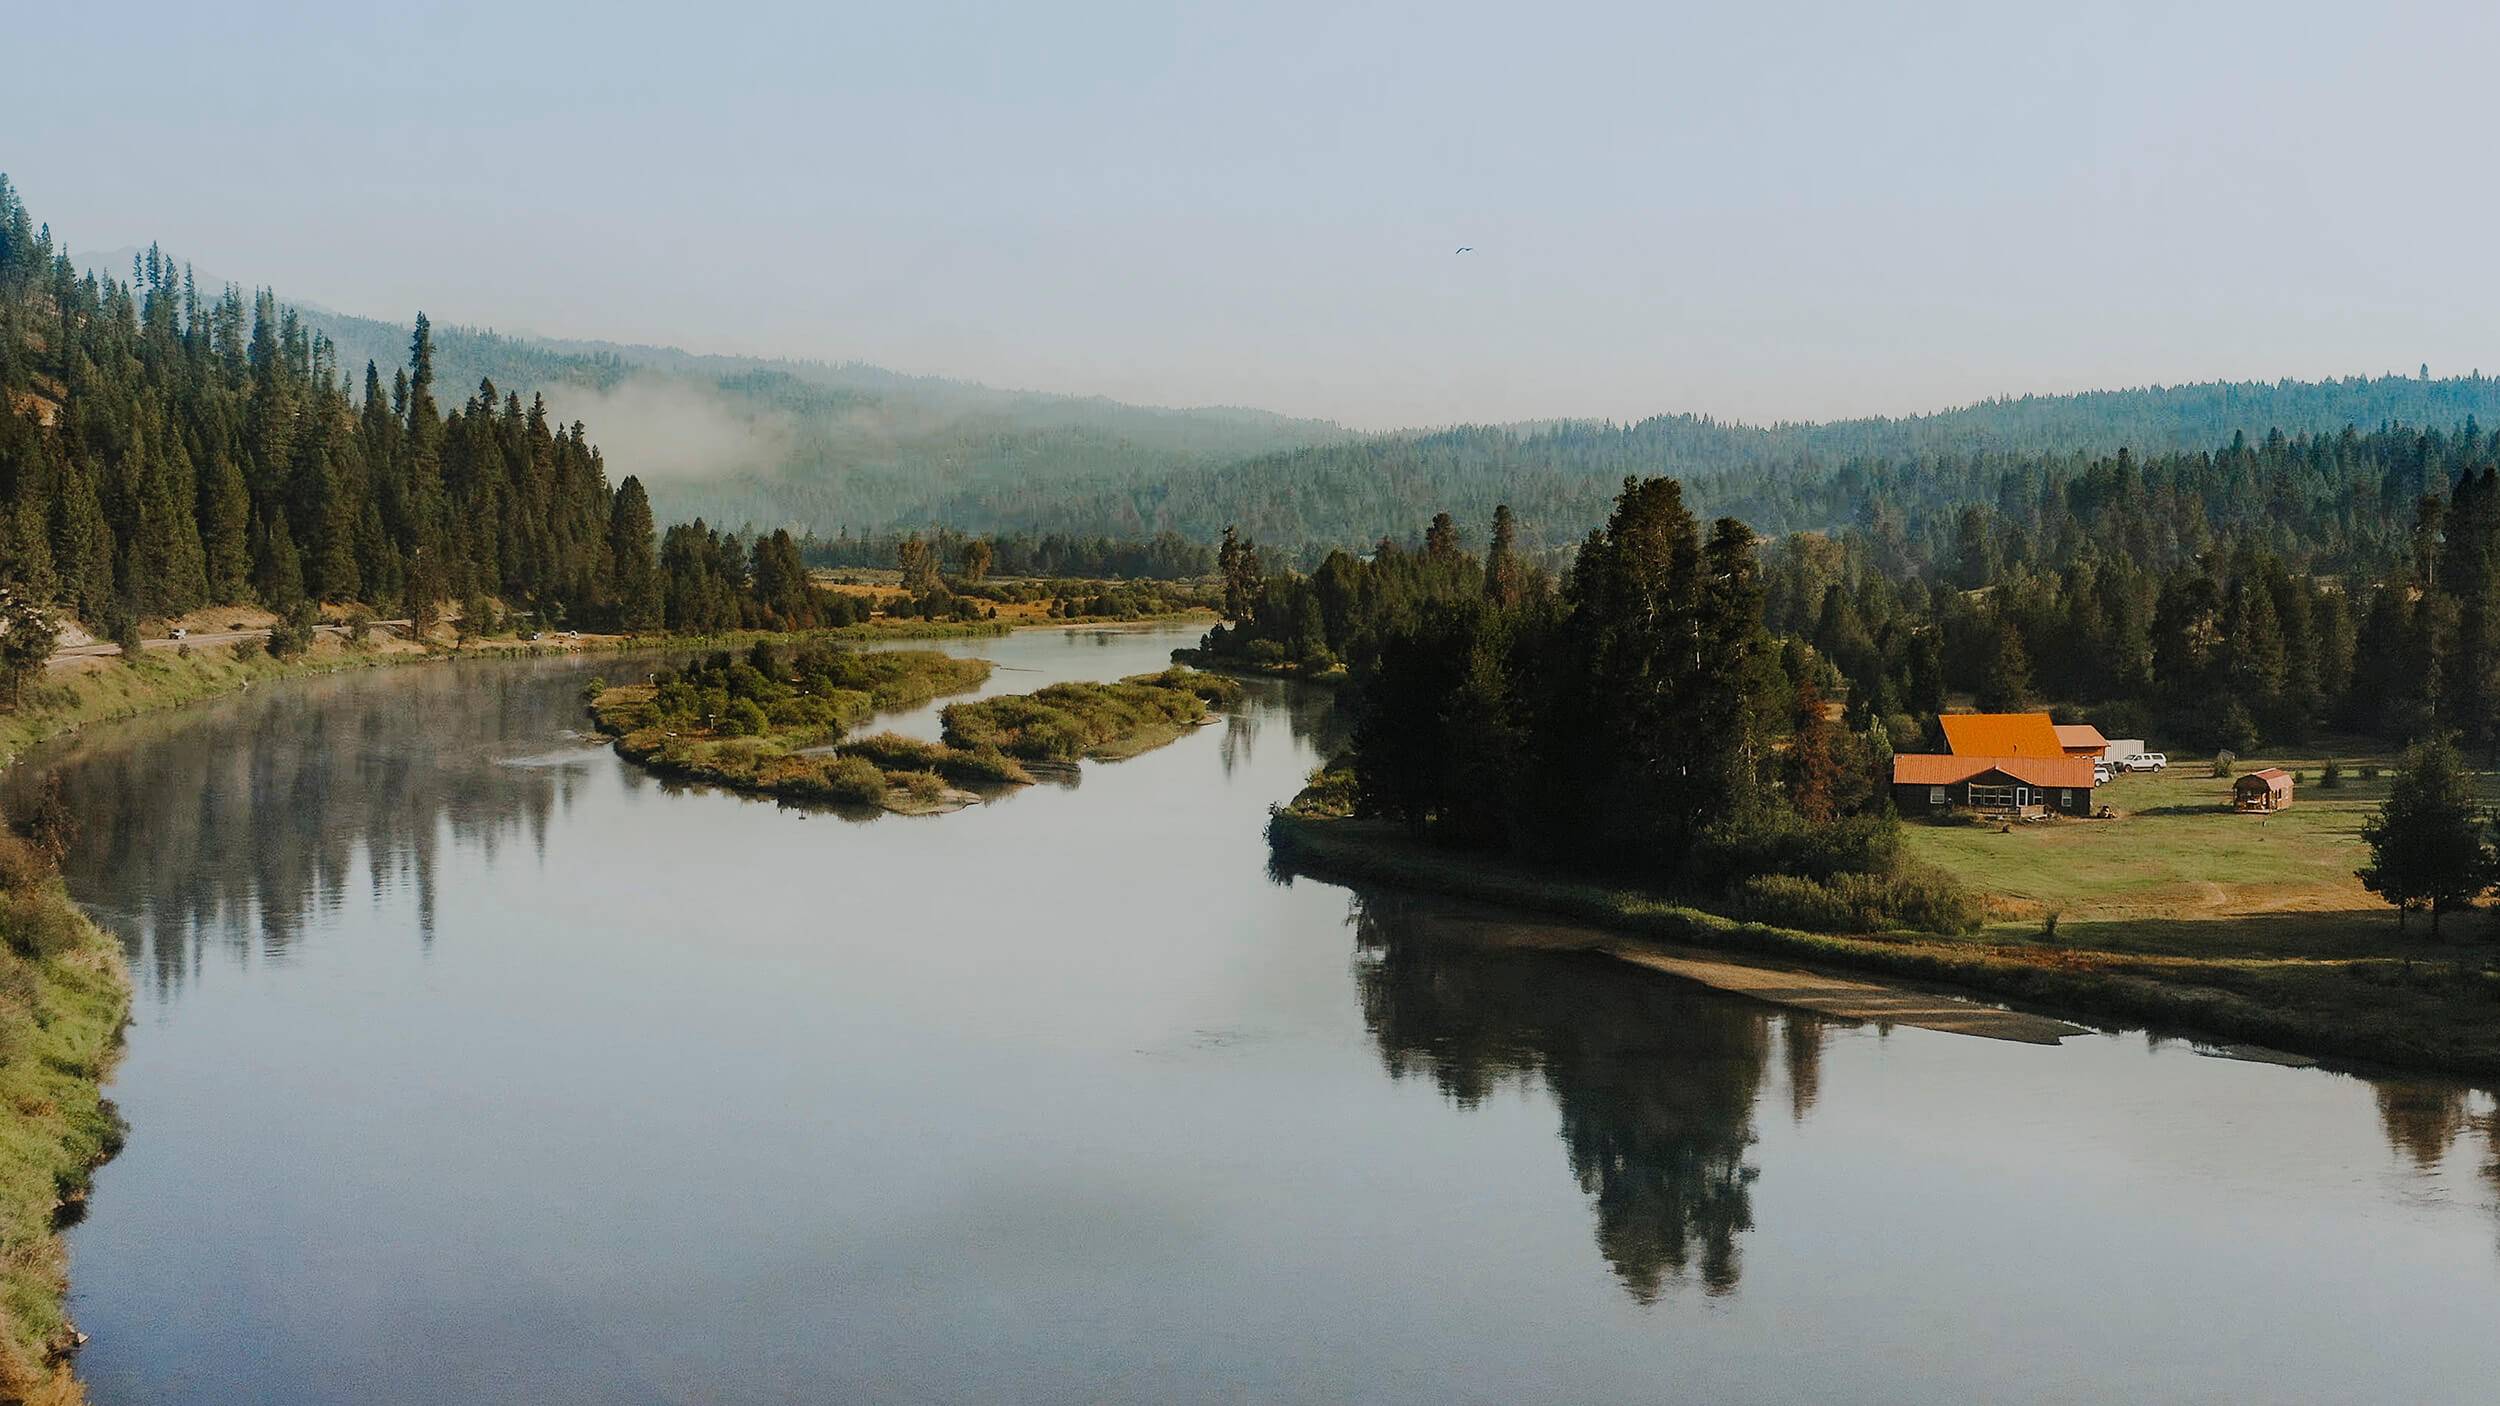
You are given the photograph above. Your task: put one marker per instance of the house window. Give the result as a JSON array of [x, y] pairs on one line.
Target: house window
[[1935, 795]]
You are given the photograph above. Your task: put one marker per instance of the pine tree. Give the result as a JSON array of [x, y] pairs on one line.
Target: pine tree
[[279, 574], [2006, 686], [2430, 842], [633, 569], [225, 512], [1505, 580], [1813, 769]]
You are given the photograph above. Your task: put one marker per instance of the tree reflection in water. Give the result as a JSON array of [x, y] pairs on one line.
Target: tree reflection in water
[[1656, 1081], [253, 813]]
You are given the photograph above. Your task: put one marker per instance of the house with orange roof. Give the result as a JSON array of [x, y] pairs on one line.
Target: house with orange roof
[[2082, 740], [2001, 735], [2049, 783]]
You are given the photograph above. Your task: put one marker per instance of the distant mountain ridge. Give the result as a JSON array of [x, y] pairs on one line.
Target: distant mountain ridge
[[824, 447]]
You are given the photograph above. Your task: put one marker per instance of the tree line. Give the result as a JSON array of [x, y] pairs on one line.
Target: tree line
[[2255, 595], [163, 447], [1634, 718]]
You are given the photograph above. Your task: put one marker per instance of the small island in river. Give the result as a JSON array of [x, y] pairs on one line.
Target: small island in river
[[771, 722]]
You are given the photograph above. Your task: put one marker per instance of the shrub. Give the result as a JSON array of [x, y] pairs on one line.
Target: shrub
[[37, 925], [742, 718], [293, 635], [2332, 777], [1786, 844], [1917, 897], [922, 786], [24, 866], [50, 825], [1331, 791], [359, 624], [854, 780], [895, 752], [246, 650]]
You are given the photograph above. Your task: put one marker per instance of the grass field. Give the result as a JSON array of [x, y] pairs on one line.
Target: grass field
[[2179, 871]]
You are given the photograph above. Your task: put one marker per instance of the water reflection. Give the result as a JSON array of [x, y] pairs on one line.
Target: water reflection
[[253, 816], [1655, 1081]]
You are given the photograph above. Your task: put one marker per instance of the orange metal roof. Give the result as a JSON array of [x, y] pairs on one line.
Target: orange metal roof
[[1930, 769], [2001, 735], [2080, 737]]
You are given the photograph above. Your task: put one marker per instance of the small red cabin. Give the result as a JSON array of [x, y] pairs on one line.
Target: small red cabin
[[2269, 789]]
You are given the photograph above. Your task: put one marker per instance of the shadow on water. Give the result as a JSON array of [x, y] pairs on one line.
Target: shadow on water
[[1657, 1082]]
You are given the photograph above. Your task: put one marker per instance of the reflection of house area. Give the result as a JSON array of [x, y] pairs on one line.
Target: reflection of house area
[[300, 790], [1656, 1081]]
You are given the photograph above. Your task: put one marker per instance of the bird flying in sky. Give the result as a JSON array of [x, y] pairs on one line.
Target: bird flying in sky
[[1467, 248]]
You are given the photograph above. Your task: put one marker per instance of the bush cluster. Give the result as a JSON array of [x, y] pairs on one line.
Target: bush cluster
[[1067, 721]]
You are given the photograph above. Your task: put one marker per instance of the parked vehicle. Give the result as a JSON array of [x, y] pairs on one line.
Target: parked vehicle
[[2146, 761]]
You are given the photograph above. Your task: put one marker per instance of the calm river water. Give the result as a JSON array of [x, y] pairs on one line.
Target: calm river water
[[470, 1065]]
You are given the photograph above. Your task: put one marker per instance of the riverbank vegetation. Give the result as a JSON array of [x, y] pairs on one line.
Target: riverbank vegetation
[[764, 721], [2182, 913], [768, 723], [2400, 1011], [1101, 721], [63, 1002]]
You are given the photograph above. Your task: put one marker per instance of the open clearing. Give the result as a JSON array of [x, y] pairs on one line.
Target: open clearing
[[2179, 871]]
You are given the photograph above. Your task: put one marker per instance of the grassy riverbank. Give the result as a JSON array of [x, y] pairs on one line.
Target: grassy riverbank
[[2402, 1008], [762, 723], [1101, 721], [64, 999], [788, 751]]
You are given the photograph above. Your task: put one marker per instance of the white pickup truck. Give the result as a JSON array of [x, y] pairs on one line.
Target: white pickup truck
[[2128, 754]]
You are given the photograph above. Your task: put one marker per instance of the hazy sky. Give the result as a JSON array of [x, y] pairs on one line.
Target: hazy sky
[[1759, 210]]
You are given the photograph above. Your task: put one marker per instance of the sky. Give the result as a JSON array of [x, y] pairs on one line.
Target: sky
[[1761, 211]]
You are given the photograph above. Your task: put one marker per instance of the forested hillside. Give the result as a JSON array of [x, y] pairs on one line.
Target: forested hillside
[[165, 447], [823, 447], [816, 446], [1560, 479], [2263, 593]]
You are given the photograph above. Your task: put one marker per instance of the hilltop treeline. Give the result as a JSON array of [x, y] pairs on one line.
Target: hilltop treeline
[[2258, 594], [164, 448], [1560, 479]]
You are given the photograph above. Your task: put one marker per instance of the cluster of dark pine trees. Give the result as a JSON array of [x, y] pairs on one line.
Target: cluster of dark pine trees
[[2256, 595], [1635, 718], [162, 449]]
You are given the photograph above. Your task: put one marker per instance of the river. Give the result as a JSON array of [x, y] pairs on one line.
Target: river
[[471, 1065]]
